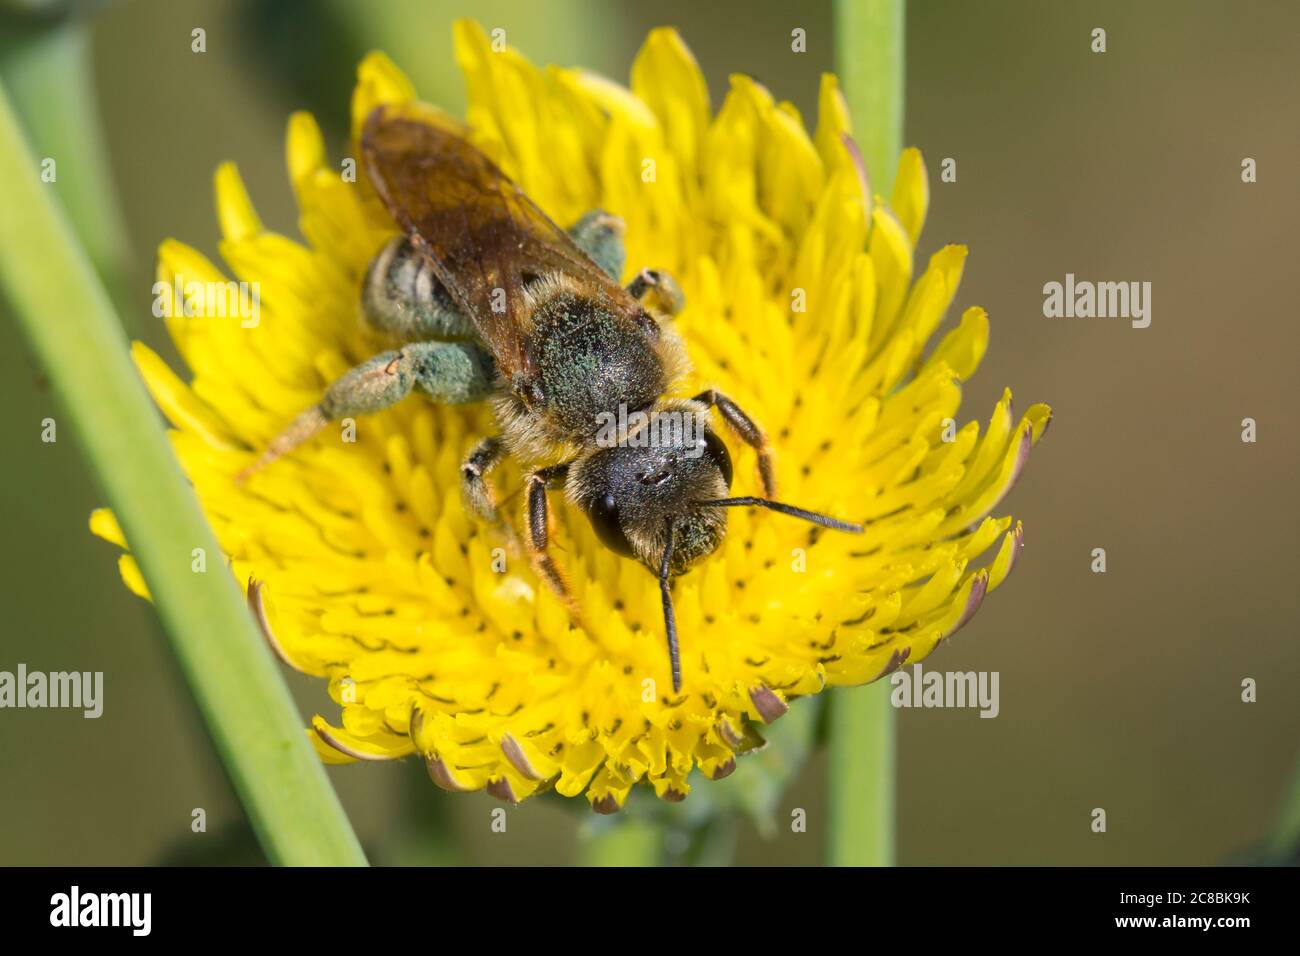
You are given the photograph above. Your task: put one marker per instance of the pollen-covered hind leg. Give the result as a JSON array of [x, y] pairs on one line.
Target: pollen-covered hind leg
[[600, 235], [403, 298], [451, 372]]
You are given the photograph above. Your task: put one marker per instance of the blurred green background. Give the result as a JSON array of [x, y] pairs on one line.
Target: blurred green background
[[1119, 691]]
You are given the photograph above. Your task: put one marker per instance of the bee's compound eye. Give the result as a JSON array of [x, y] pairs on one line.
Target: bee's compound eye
[[717, 451], [604, 521]]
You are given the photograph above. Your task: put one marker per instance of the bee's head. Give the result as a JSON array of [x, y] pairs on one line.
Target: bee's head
[[652, 478], [657, 492]]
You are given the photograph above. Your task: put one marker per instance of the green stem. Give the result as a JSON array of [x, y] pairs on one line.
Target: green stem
[[862, 767], [869, 55], [48, 71], [869, 59], [68, 320]]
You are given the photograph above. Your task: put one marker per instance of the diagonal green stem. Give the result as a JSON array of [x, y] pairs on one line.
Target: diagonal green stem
[[47, 68], [869, 58], [63, 310]]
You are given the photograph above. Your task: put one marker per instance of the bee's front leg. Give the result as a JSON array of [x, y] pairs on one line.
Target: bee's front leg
[[537, 520], [476, 490], [749, 433]]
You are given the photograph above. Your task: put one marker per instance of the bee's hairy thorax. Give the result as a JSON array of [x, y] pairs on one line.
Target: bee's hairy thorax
[[589, 360]]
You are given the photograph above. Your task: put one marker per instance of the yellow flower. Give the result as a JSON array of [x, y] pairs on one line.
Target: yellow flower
[[800, 305]]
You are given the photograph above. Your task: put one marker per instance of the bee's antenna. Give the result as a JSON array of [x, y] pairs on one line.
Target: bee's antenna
[[824, 520], [670, 621]]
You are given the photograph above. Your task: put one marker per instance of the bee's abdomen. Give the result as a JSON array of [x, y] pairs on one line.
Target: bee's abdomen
[[402, 296]]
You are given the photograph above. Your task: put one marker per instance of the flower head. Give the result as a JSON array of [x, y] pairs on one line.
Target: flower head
[[435, 635]]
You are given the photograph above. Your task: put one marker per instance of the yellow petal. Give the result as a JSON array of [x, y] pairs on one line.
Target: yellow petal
[[666, 78], [379, 82], [235, 210], [177, 402], [911, 197], [304, 148]]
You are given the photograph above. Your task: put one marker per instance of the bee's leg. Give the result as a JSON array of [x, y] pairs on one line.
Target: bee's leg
[[452, 372], [600, 235], [537, 518], [402, 297], [749, 433], [476, 490], [658, 290]]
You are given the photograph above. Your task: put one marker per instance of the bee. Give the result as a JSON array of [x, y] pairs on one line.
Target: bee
[[495, 302]]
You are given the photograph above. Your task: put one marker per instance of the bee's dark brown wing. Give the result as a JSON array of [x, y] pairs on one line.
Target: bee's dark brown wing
[[483, 237]]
